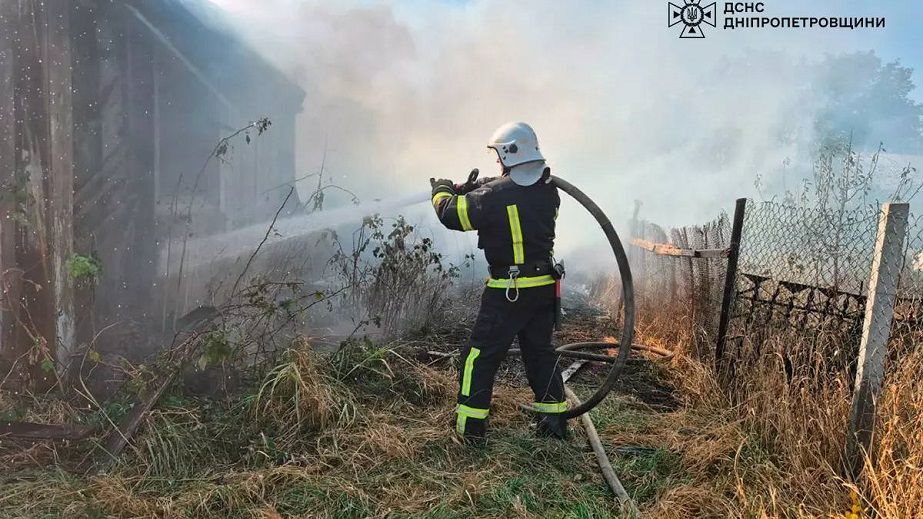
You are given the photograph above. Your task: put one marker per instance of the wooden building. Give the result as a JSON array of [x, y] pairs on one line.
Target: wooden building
[[108, 112]]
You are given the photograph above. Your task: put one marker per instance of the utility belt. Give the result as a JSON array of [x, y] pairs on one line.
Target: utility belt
[[528, 270], [529, 275]]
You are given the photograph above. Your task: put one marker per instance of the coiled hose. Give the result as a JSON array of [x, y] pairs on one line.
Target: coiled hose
[[574, 350]]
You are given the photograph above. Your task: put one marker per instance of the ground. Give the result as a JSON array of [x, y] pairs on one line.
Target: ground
[[366, 433]]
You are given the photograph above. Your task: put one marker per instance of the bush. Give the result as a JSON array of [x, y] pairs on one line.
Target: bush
[[405, 283]]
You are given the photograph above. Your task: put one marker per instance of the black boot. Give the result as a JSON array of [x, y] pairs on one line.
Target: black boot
[[551, 426], [475, 432]]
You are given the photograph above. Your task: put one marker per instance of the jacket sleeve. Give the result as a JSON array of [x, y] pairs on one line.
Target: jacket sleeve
[[459, 212]]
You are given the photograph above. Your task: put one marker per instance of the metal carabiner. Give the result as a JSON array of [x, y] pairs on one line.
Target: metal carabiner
[[513, 283]]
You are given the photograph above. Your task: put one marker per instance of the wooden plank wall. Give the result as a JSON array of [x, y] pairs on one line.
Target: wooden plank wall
[[9, 44], [114, 174], [36, 235]]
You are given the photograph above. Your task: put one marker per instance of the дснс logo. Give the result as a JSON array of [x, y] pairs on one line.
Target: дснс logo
[[691, 15]]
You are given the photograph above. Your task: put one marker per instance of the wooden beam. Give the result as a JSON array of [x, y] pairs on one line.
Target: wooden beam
[[668, 249], [730, 276], [60, 193], [9, 294], [36, 314], [29, 431]]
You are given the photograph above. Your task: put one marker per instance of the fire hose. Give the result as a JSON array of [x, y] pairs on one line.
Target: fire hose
[[578, 350], [574, 350]]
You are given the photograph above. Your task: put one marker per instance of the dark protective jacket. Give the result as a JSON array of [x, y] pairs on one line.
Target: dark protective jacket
[[515, 225]]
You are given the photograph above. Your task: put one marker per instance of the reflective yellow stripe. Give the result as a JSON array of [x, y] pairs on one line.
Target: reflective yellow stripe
[[440, 196], [472, 412], [464, 412], [528, 282], [462, 205], [469, 367], [554, 407], [516, 231]]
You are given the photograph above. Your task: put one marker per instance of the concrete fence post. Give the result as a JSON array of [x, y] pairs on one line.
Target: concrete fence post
[[879, 311]]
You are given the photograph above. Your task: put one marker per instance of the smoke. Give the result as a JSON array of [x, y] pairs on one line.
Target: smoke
[[398, 92]]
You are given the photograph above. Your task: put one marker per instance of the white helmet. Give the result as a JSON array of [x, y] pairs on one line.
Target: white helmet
[[515, 144], [517, 147]]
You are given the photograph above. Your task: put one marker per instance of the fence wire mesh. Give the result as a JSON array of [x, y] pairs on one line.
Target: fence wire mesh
[[802, 287], [907, 326], [826, 313]]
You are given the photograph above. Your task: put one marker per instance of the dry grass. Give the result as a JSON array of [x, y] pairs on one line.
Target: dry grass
[[366, 434], [769, 442], [895, 479], [298, 399], [313, 440]]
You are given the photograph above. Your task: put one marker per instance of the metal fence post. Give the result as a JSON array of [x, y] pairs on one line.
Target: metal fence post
[[876, 330], [730, 276]]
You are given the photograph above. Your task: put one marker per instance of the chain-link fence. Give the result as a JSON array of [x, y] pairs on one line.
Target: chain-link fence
[[802, 286], [811, 286], [907, 324]]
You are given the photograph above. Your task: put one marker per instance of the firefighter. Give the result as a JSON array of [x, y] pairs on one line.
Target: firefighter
[[514, 215]]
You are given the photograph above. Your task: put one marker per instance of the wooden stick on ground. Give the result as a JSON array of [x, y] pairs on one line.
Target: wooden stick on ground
[[120, 435], [605, 466], [37, 432]]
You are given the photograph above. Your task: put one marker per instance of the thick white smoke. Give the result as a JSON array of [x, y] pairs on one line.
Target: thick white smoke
[[401, 91]]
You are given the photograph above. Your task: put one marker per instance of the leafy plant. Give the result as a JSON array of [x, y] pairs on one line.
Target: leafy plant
[[47, 365], [217, 349], [396, 280], [84, 269], [261, 125]]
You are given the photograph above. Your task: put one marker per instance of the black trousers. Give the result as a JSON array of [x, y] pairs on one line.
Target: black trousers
[[531, 318]]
